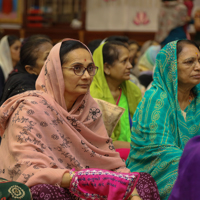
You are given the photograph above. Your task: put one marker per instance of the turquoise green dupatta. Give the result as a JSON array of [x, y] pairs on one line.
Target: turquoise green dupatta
[[99, 89], [159, 131]]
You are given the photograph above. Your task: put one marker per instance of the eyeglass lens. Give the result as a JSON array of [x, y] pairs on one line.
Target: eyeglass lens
[[79, 70]]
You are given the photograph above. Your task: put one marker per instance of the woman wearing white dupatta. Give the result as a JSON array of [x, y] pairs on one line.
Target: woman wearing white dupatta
[[9, 56]]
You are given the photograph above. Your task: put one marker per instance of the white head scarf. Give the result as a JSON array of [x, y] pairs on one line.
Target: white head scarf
[[5, 57]]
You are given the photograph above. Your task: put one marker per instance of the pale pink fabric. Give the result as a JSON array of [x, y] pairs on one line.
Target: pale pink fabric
[[41, 140]]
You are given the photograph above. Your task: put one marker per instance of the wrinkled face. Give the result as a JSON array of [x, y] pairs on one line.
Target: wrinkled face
[[42, 54], [77, 85], [15, 51], [189, 66], [120, 70]]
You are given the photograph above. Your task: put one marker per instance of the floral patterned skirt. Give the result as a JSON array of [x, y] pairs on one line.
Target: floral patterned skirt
[[146, 187]]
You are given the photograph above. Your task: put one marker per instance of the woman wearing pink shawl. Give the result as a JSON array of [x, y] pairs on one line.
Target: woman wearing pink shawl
[[51, 136]]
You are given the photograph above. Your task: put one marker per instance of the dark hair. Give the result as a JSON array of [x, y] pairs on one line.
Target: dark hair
[[36, 36], [29, 49], [145, 79], [110, 51], [180, 44], [134, 42], [11, 39], [119, 38], [68, 46], [92, 45]]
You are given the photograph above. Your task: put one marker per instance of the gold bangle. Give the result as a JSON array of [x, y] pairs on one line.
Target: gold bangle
[[132, 195]]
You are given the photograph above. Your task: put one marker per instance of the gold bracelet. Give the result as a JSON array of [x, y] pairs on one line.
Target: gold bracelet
[[132, 195]]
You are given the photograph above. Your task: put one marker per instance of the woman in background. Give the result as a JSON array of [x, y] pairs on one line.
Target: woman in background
[[146, 65], [33, 54], [9, 56], [111, 84], [171, 20]]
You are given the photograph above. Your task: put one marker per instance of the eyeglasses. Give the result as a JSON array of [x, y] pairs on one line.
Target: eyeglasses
[[190, 63], [80, 70]]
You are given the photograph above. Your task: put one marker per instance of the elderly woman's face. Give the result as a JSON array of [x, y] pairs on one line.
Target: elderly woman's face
[[77, 85], [189, 66], [121, 68]]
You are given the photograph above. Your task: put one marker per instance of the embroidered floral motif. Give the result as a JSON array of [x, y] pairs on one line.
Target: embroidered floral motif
[[27, 176], [16, 192], [92, 154], [14, 172], [46, 113], [51, 157], [82, 106], [50, 148], [46, 71], [111, 147], [34, 102], [43, 124], [55, 137], [85, 147], [73, 162], [44, 88], [60, 160], [66, 142], [57, 121], [30, 112], [39, 135], [74, 123], [94, 113], [18, 165]]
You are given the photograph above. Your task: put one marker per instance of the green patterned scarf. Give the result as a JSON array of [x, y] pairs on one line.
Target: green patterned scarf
[[14, 190], [159, 131], [99, 89]]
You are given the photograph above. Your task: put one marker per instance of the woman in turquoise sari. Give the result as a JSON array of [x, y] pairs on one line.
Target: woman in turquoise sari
[[111, 84], [168, 115]]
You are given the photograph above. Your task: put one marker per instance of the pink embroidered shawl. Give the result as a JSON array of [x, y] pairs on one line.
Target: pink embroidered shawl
[[41, 140]]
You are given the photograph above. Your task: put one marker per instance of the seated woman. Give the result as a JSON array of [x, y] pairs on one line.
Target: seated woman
[[112, 84], [168, 115], [171, 20], [33, 54], [57, 127], [146, 65], [9, 56], [147, 60]]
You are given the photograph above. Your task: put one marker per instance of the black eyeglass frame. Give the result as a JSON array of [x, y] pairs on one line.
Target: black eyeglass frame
[[85, 68]]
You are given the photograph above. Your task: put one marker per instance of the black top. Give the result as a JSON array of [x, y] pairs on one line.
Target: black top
[[2, 80], [18, 81]]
